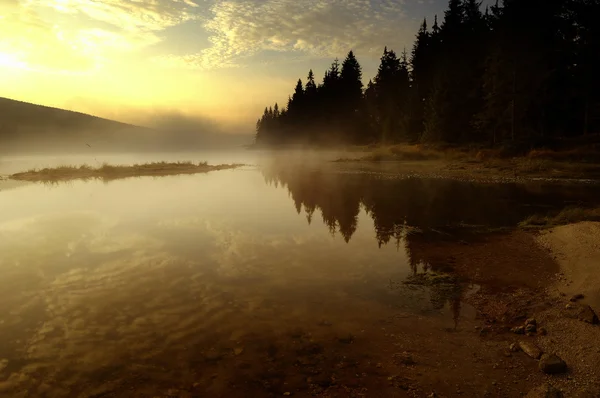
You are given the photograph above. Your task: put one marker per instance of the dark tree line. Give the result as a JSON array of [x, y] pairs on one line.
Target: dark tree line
[[519, 71]]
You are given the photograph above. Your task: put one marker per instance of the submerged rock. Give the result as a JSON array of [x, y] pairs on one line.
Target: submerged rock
[[552, 364], [518, 330], [514, 348], [577, 297], [530, 349], [347, 339], [530, 328], [213, 356], [484, 331], [545, 391], [405, 359], [542, 331], [432, 279], [531, 321], [582, 312]]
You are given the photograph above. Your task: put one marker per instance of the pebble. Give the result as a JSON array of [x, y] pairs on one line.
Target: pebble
[[530, 328], [518, 330], [485, 330], [514, 347], [530, 349], [552, 364], [582, 312]]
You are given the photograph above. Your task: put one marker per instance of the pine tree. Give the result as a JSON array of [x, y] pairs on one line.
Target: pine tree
[[391, 84], [298, 92], [351, 98], [351, 77], [452, 25], [311, 87], [421, 63]]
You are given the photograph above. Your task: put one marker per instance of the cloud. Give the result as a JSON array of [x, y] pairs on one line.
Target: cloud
[[91, 33], [239, 29], [31, 43], [128, 15], [81, 35]]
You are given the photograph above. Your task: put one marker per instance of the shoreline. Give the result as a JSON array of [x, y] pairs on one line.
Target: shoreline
[[559, 264], [577, 164]]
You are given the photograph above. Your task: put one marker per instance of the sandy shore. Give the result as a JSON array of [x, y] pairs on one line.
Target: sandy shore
[[523, 275], [576, 248]]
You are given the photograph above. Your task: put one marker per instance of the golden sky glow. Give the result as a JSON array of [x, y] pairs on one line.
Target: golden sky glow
[[219, 59]]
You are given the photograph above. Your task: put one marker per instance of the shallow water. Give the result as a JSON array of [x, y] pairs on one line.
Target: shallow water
[[159, 283]]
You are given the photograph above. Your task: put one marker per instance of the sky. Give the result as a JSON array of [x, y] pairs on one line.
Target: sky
[[221, 60]]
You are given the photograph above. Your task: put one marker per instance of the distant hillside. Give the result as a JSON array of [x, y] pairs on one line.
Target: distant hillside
[[26, 127], [30, 128], [23, 115]]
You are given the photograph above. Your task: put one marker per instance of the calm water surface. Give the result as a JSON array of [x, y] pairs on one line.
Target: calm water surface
[[191, 280]]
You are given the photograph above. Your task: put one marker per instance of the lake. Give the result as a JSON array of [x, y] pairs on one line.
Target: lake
[[273, 278]]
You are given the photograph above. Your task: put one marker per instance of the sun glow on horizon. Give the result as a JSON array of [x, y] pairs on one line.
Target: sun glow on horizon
[[12, 61], [223, 58]]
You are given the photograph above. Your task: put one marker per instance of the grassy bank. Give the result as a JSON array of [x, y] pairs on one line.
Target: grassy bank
[[582, 162], [568, 215], [112, 172]]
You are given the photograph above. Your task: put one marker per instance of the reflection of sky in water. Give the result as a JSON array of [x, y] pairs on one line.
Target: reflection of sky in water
[[96, 274], [136, 276]]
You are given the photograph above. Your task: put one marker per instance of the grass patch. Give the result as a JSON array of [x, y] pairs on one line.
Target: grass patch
[[109, 172], [568, 215], [583, 155], [404, 152]]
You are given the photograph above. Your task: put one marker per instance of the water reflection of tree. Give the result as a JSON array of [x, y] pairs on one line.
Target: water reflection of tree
[[337, 199], [417, 214], [398, 204], [434, 272]]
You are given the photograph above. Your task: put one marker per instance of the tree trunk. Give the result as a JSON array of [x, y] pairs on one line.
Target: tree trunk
[[586, 117], [514, 95]]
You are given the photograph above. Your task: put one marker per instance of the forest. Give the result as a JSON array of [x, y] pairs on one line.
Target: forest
[[521, 72]]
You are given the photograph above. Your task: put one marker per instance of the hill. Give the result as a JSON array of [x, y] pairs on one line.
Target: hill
[[26, 127], [30, 128]]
